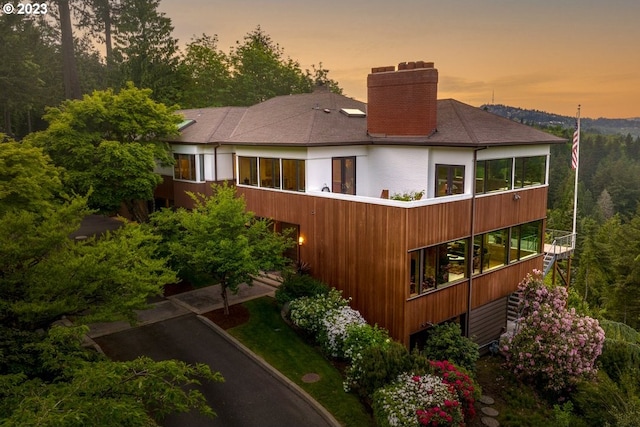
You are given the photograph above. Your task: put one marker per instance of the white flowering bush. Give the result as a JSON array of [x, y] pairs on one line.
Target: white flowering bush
[[335, 326], [553, 345], [308, 313], [414, 400]]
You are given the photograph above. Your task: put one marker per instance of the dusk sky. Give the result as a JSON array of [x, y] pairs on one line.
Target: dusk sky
[[548, 55]]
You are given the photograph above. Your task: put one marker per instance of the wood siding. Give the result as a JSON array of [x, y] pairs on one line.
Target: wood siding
[[430, 225], [356, 247], [502, 282], [164, 190], [501, 210], [435, 307], [363, 250]]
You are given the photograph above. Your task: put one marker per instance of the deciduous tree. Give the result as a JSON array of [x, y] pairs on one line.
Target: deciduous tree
[[46, 377], [110, 142], [221, 240]]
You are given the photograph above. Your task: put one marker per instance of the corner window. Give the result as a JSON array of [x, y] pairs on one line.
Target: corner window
[[269, 172], [344, 175], [449, 180], [185, 167], [493, 175], [248, 170], [437, 266], [530, 171], [501, 247], [293, 174], [530, 237]]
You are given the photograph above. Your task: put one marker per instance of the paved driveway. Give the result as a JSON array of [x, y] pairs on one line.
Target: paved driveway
[[250, 395]]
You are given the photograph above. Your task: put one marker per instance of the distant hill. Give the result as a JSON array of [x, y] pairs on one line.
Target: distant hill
[[542, 118]]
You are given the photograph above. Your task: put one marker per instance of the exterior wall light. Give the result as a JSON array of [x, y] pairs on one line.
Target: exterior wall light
[[300, 240]]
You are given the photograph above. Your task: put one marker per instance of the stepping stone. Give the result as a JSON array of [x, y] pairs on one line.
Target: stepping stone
[[489, 422], [489, 411], [311, 378], [486, 400]]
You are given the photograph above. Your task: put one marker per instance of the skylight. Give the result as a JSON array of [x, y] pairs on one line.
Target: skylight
[[185, 124], [353, 112]]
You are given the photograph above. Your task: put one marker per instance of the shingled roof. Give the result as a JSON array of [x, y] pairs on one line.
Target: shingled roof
[[314, 119]]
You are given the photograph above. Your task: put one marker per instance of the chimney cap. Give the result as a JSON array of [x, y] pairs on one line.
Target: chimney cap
[[414, 64]]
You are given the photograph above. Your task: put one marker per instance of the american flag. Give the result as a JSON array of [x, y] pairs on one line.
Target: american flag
[[574, 147]]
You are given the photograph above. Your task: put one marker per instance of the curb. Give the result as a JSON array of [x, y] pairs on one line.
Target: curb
[[273, 372]]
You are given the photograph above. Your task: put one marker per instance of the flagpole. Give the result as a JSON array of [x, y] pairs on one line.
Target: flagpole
[[575, 162]]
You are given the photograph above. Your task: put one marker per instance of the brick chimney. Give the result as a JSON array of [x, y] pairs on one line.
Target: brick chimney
[[402, 102]]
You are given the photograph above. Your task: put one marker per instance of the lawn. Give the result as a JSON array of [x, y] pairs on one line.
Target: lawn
[[267, 335]]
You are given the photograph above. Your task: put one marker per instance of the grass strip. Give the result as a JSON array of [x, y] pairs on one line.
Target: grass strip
[[267, 335]]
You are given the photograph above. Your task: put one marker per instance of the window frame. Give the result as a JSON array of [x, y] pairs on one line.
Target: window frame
[[272, 163], [525, 164], [340, 182], [450, 183], [430, 267], [299, 171], [513, 251], [190, 173], [252, 178]]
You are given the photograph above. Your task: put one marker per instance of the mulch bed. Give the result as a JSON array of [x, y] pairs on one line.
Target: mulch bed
[[238, 314]]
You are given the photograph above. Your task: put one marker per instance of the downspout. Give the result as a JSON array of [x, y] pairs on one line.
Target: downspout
[[470, 250], [215, 163]]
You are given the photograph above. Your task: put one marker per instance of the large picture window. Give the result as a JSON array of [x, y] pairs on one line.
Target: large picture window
[[185, 167], [530, 171], [449, 180], [493, 175], [501, 174], [293, 173], [344, 175], [269, 172], [501, 247], [437, 266], [248, 170]]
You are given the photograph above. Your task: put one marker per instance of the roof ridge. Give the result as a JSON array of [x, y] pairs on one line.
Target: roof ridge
[[215, 128], [468, 129]]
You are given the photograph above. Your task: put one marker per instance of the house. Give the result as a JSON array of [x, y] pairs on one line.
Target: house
[[328, 166]]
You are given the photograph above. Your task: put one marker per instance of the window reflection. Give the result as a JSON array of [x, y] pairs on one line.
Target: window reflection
[[437, 266]]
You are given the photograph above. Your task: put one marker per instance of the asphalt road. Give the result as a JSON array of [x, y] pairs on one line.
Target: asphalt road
[[250, 396]]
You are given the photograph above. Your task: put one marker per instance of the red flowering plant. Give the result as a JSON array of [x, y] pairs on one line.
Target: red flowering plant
[[439, 416], [460, 384]]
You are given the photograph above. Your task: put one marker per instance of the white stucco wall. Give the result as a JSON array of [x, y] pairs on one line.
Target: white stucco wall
[[397, 169], [319, 167]]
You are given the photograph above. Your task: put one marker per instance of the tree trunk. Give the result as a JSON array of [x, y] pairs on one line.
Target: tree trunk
[[7, 122], [69, 68], [225, 300]]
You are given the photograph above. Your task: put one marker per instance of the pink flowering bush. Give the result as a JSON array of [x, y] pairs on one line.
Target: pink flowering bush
[[552, 345]]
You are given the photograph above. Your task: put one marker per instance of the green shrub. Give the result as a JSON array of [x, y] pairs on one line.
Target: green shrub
[[381, 365], [296, 286], [597, 401], [445, 342], [618, 357], [359, 337], [562, 414]]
